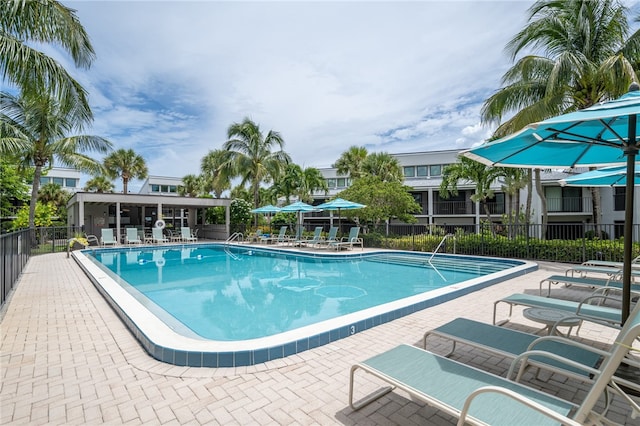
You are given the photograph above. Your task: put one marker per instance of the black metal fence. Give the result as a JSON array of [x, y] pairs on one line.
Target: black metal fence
[[15, 249]]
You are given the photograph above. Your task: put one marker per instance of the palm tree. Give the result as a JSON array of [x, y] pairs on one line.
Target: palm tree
[[251, 156], [53, 193], [470, 171], [99, 184], [125, 163], [300, 182], [351, 162], [587, 57], [191, 186], [40, 126], [215, 172], [383, 165], [25, 23]]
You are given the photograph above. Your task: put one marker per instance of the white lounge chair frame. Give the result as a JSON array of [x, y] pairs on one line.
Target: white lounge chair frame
[[132, 236], [108, 237], [350, 241], [608, 284], [186, 235], [157, 236]]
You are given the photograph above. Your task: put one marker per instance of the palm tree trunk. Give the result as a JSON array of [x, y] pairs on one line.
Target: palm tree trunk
[[597, 209], [527, 210], [543, 204]]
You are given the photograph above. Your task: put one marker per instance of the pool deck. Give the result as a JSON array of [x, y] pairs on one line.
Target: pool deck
[[66, 358]]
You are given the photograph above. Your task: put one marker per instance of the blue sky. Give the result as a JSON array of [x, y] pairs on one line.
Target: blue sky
[[171, 76]]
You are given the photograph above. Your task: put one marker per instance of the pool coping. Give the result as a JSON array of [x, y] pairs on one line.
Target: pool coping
[[165, 344]]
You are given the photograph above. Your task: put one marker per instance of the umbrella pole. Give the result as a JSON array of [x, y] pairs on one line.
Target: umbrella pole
[[630, 151]]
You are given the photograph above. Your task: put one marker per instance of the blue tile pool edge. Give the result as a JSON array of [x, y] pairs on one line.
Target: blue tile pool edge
[[189, 354]]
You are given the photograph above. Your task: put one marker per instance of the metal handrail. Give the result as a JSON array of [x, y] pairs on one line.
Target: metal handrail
[[235, 236], [441, 243]]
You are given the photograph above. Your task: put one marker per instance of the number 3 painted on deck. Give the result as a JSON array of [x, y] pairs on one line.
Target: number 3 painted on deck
[[352, 329]]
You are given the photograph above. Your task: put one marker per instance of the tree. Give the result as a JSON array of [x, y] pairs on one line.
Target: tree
[[126, 164], [54, 194], [383, 200], [13, 190], [99, 184], [472, 172], [351, 162], [251, 156], [299, 182], [24, 24], [215, 172], [41, 127], [192, 186], [383, 165], [587, 56]]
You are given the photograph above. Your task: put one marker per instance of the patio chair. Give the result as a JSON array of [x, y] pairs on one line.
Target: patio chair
[[635, 263], [350, 241], [280, 238], [478, 397], [331, 238], [317, 237], [186, 235], [132, 236], [93, 240], [157, 236], [108, 237], [608, 284], [511, 343]]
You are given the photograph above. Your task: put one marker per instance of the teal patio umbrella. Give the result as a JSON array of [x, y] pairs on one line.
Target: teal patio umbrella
[[607, 176], [268, 209], [340, 204], [298, 207], [602, 135]]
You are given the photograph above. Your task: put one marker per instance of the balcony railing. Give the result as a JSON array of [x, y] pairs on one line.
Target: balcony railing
[[569, 205]]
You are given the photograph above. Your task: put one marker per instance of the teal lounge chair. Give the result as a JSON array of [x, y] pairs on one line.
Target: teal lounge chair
[[608, 284], [132, 236], [317, 237], [157, 236], [108, 237], [331, 238], [604, 315], [477, 397], [511, 343], [350, 241], [280, 238]]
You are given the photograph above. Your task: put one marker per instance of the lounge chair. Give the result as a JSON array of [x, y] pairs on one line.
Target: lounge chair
[[608, 284], [605, 315], [477, 397], [331, 238], [186, 235], [635, 263], [108, 237], [316, 239], [132, 236], [350, 241], [93, 240], [611, 273], [157, 236], [511, 343], [280, 238]]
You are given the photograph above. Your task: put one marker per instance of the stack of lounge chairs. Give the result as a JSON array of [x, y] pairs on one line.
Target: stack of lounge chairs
[[475, 396]]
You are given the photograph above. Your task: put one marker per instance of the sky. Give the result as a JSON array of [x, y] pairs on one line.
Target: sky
[[170, 77]]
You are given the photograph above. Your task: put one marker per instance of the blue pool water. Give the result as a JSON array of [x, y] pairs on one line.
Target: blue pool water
[[239, 293]]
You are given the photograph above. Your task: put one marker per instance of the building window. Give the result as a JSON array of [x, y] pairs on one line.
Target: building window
[[44, 180], [435, 170], [155, 188], [409, 172], [331, 183], [421, 171], [173, 188], [58, 181], [342, 182], [70, 182], [619, 198]]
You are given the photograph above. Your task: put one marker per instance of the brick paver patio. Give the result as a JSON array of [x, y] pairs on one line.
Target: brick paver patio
[[66, 358]]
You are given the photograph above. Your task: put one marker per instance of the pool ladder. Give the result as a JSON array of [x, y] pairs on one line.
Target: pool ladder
[[236, 236]]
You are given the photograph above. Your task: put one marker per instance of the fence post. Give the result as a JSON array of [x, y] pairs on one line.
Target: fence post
[[584, 242], [413, 237]]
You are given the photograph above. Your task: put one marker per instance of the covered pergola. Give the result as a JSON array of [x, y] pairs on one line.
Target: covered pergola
[[93, 211]]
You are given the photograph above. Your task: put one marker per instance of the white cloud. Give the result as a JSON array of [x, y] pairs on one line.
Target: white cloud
[[170, 77]]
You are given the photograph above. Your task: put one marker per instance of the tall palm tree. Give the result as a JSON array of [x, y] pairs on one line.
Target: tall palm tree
[[251, 155], [23, 23], [99, 184], [191, 186], [300, 182], [383, 165], [215, 172], [351, 162], [41, 127], [53, 193], [587, 56], [126, 164], [472, 172]]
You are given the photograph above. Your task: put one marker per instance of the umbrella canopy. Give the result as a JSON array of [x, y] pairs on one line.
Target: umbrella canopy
[[608, 176], [601, 135], [298, 207], [340, 204], [266, 209]]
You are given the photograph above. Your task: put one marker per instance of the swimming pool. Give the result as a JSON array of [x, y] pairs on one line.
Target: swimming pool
[[216, 305]]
